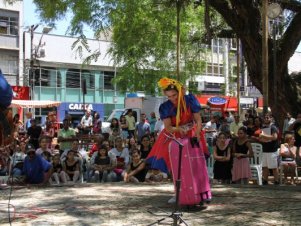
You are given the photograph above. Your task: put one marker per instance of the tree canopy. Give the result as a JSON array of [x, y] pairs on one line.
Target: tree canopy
[[143, 34]]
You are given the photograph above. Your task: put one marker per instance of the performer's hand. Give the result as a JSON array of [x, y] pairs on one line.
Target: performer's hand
[[182, 131]]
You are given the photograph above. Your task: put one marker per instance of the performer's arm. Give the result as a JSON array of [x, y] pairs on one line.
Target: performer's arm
[[172, 129], [198, 121]]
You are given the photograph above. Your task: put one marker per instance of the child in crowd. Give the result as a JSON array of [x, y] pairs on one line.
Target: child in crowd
[[57, 174], [136, 171], [155, 175], [242, 151], [122, 158], [71, 167], [103, 165], [222, 155]]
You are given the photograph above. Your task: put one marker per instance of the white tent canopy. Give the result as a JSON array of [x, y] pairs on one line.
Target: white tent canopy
[[34, 103]]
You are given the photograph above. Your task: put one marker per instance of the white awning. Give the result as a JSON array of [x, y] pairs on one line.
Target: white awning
[[34, 103]]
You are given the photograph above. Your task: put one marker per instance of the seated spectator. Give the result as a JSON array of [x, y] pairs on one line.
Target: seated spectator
[[17, 160], [222, 155], [136, 171], [155, 175], [4, 161], [35, 167], [57, 173], [145, 146], [288, 155], [112, 137], [43, 150], [132, 145], [124, 128], [102, 166], [71, 167], [122, 157], [97, 143]]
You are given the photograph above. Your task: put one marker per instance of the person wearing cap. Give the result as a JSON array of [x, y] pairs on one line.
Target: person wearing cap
[[35, 167]]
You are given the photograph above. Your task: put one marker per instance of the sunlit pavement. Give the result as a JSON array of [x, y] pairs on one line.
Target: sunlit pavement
[[130, 204]]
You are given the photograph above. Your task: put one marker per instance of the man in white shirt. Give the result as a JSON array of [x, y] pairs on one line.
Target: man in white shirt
[[234, 126], [87, 122]]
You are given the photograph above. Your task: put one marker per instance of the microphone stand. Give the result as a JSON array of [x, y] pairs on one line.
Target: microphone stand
[[176, 215]]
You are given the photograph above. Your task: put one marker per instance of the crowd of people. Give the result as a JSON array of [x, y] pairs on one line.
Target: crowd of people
[[119, 155], [230, 140]]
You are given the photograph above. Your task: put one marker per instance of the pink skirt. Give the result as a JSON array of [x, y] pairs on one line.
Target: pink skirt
[[241, 169]]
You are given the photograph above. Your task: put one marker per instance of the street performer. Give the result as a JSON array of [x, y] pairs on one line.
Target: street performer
[[6, 95], [182, 120]]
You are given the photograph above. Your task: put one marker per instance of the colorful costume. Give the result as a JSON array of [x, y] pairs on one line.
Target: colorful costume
[[159, 157]]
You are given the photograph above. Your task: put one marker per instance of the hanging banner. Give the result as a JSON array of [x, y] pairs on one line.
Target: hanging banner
[[20, 92]]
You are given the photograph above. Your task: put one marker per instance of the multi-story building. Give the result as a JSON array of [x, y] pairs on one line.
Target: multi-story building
[[10, 41]]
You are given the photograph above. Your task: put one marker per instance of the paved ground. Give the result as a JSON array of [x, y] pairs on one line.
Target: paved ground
[[121, 204]]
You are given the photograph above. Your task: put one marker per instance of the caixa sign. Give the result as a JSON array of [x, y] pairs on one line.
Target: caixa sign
[[217, 100], [76, 107]]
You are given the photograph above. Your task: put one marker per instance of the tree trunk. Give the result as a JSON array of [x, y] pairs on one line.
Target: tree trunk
[[245, 20]]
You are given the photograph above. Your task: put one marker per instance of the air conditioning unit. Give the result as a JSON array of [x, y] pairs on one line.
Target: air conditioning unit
[[201, 86]]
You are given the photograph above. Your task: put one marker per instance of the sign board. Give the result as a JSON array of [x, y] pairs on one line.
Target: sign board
[[217, 100]]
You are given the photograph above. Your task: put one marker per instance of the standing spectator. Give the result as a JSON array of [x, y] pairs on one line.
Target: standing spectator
[[222, 155], [269, 140], [235, 125], [159, 126], [35, 167], [114, 126], [142, 128], [28, 120], [124, 127], [86, 123], [152, 121], [228, 117], [225, 127], [242, 151], [210, 130], [296, 128], [97, 123], [250, 124], [131, 123], [17, 123], [34, 132], [65, 136], [288, 121]]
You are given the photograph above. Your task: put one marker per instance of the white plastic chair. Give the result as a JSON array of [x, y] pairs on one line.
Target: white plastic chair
[[256, 163], [210, 163]]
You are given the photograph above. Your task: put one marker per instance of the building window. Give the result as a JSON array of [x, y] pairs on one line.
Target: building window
[[73, 78], [107, 77], [90, 79], [214, 69], [8, 25]]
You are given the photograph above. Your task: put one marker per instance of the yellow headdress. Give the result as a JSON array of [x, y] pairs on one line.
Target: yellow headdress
[[164, 83]]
